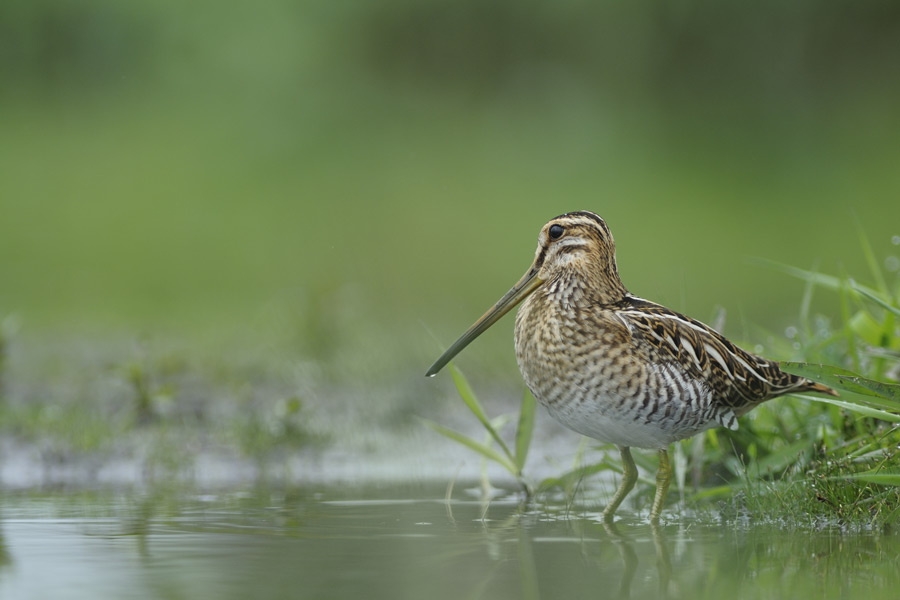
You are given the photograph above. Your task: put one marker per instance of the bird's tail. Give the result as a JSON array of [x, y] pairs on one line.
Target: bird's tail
[[812, 386]]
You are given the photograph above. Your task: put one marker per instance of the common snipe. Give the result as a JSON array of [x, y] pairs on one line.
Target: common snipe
[[615, 367]]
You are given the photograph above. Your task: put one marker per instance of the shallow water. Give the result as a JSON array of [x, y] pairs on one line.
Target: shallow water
[[331, 543]]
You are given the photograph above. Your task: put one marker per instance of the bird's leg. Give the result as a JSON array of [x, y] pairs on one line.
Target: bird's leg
[[629, 476], [663, 476]]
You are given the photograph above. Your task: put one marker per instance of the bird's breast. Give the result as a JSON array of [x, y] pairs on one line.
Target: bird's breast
[[582, 367]]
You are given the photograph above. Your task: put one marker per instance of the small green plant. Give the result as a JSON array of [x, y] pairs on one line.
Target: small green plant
[[831, 459], [276, 427], [514, 462], [152, 398], [139, 380], [856, 466]]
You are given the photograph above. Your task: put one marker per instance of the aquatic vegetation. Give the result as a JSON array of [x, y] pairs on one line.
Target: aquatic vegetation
[[848, 465], [514, 462]]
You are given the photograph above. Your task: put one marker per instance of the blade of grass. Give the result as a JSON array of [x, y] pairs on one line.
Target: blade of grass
[[524, 429], [468, 396], [847, 381], [478, 447], [567, 479], [713, 492], [879, 478], [876, 298], [857, 408], [827, 281], [871, 260], [889, 392]]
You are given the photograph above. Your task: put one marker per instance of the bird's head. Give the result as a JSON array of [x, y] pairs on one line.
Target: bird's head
[[575, 252], [577, 244]]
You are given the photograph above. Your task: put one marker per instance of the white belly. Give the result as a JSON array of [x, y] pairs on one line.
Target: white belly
[[623, 430]]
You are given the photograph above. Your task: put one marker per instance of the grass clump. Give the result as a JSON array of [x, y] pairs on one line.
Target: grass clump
[[513, 462], [832, 460]]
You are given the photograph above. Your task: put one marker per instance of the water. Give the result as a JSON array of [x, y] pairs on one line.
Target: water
[[333, 543]]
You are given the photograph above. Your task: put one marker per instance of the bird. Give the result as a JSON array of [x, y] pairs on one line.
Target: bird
[[615, 367]]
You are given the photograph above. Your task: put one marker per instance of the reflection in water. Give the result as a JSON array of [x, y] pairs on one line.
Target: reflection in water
[[629, 559], [334, 544]]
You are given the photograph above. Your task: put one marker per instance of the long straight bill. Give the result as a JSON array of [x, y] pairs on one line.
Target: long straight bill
[[529, 282]]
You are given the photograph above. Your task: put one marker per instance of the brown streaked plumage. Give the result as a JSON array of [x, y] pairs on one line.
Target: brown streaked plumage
[[617, 368]]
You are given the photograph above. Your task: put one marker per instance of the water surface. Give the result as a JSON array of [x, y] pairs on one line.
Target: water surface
[[411, 543]]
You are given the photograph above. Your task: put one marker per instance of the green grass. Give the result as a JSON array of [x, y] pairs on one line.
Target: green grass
[[69, 407], [804, 460], [512, 461]]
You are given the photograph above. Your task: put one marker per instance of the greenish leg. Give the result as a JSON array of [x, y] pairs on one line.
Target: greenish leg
[[629, 476], [663, 476]]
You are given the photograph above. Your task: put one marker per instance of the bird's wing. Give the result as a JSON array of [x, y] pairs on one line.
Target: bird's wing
[[737, 379]]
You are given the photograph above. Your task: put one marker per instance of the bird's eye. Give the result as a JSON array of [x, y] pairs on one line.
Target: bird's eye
[[556, 232]]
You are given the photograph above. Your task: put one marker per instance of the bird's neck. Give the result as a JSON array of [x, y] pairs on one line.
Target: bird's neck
[[577, 286]]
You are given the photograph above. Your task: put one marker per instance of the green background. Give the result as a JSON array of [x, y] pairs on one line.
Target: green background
[[385, 166]]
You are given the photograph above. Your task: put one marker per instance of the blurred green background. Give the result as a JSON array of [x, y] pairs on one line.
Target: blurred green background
[[386, 165]]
